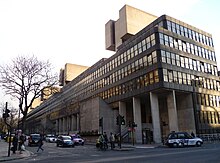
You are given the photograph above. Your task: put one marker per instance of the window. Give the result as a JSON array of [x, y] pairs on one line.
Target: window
[[154, 56], [163, 56], [168, 57], [165, 75], [170, 76]]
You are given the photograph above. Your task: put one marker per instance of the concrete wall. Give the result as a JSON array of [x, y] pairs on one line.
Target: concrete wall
[[89, 115], [185, 113], [131, 21], [71, 71], [109, 117]]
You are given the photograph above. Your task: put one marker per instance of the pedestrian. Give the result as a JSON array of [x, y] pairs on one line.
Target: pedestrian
[[192, 134], [15, 144], [105, 137], [112, 140], [40, 144], [21, 144]]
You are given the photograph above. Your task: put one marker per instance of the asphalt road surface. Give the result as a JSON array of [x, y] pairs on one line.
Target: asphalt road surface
[[89, 154]]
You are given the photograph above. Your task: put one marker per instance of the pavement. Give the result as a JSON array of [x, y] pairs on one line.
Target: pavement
[[4, 150], [4, 153]]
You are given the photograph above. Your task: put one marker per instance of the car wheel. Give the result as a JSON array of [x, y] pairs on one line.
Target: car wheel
[[198, 143], [181, 145], [175, 145]]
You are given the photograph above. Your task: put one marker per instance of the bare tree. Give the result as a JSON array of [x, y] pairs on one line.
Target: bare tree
[[24, 79]]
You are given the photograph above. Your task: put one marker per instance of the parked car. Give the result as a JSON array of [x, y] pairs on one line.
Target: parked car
[[64, 141], [77, 139], [51, 138], [34, 139], [181, 139]]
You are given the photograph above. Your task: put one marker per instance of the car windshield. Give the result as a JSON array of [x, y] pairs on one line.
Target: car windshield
[[66, 138], [35, 136], [50, 136], [76, 136]]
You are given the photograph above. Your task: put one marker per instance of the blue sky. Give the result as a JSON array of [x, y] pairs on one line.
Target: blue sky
[[73, 31]]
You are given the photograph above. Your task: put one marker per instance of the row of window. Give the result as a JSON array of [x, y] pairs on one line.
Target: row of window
[[208, 100], [137, 83], [185, 78], [186, 47], [189, 63], [183, 31], [126, 71], [116, 76], [124, 57], [209, 117]]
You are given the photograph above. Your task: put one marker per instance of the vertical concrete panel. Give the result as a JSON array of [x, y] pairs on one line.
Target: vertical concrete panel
[[137, 119], [56, 126], [186, 119], [155, 117], [74, 122], [172, 112], [77, 122]]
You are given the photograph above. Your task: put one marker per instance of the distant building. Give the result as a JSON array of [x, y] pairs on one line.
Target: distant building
[[163, 77]]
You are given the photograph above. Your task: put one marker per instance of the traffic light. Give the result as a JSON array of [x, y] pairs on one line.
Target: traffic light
[[134, 124], [101, 122], [6, 114], [122, 120]]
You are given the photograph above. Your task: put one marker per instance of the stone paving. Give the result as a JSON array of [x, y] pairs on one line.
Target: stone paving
[[4, 153]]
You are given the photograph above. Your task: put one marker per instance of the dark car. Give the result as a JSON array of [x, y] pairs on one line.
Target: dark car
[[181, 139], [64, 141], [33, 139]]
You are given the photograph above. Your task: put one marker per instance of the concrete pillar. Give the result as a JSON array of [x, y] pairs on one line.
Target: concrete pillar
[[137, 119], [186, 119], [122, 111], [57, 126], [172, 112], [60, 126], [63, 125], [77, 122], [155, 117], [74, 122]]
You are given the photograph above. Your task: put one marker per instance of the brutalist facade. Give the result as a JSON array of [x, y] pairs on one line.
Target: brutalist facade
[[164, 78]]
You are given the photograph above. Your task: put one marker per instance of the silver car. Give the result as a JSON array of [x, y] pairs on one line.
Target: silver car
[[181, 139]]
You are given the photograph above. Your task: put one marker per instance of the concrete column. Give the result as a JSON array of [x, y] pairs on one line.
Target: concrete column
[[57, 126], [137, 119], [122, 111], [60, 126], [74, 122], [77, 122], [63, 125], [172, 112], [155, 117]]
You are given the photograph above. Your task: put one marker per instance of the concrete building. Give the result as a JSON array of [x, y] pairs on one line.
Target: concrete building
[[69, 72], [163, 77]]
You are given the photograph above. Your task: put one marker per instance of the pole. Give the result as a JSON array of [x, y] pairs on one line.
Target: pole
[[102, 125], [9, 126], [120, 135], [132, 132]]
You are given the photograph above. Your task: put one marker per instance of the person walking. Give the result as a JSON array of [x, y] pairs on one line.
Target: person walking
[[112, 140], [15, 144], [21, 144], [40, 144]]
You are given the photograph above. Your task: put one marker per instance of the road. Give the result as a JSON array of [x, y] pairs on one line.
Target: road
[[89, 154]]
